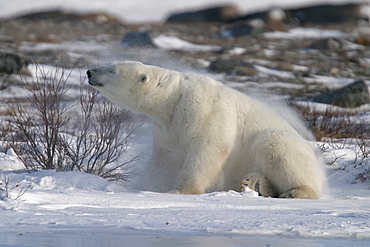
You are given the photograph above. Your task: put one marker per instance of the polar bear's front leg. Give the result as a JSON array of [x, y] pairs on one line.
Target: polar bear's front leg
[[202, 167], [160, 172]]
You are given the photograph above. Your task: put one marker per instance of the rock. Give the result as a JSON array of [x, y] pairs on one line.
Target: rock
[[238, 30], [335, 71], [260, 15], [245, 71], [353, 95], [11, 63], [230, 66], [63, 16], [139, 39], [331, 44], [365, 41], [100, 18], [325, 14], [214, 14]]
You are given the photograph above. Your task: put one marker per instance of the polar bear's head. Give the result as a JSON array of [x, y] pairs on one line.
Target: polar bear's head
[[129, 83]]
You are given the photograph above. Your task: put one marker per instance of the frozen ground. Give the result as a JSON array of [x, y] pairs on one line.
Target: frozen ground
[[77, 209]]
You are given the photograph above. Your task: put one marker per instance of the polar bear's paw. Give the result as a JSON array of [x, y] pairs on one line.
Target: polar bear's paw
[[258, 183], [250, 183], [301, 192]]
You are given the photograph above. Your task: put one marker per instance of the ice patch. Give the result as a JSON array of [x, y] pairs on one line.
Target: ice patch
[[273, 72], [174, 43], [306, 33]]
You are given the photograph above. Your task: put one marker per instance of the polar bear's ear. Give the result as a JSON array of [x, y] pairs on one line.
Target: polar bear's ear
[[144, 78]]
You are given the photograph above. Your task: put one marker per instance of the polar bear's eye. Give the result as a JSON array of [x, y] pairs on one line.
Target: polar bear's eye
[[112, 71], [144, 78]]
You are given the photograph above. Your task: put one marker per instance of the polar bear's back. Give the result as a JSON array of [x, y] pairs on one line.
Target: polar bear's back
[[250, 113]]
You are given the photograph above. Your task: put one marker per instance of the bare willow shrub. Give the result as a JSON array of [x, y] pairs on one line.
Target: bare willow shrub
[[100, 136], [37, 123], [6, 187], [51, 131]]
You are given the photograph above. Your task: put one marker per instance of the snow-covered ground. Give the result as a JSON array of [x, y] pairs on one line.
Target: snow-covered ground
[[71, 203], [78, 209]]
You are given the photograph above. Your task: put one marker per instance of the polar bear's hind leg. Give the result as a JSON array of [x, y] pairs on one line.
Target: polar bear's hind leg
[[258, 183], [302, 192]]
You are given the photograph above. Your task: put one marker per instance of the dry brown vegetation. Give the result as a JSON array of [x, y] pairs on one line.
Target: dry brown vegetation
[[334, 122], [338, 128]]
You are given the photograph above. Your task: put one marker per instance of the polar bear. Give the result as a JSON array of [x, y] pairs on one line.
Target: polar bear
[[208, 137]]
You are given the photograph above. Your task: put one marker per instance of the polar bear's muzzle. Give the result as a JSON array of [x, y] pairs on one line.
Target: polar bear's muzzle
[[92, 78]]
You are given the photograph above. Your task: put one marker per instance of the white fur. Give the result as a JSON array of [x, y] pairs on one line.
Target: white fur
[[207, 136]]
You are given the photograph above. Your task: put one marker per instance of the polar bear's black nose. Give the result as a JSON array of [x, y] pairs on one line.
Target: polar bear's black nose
[[88, 74], [92, 80]]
